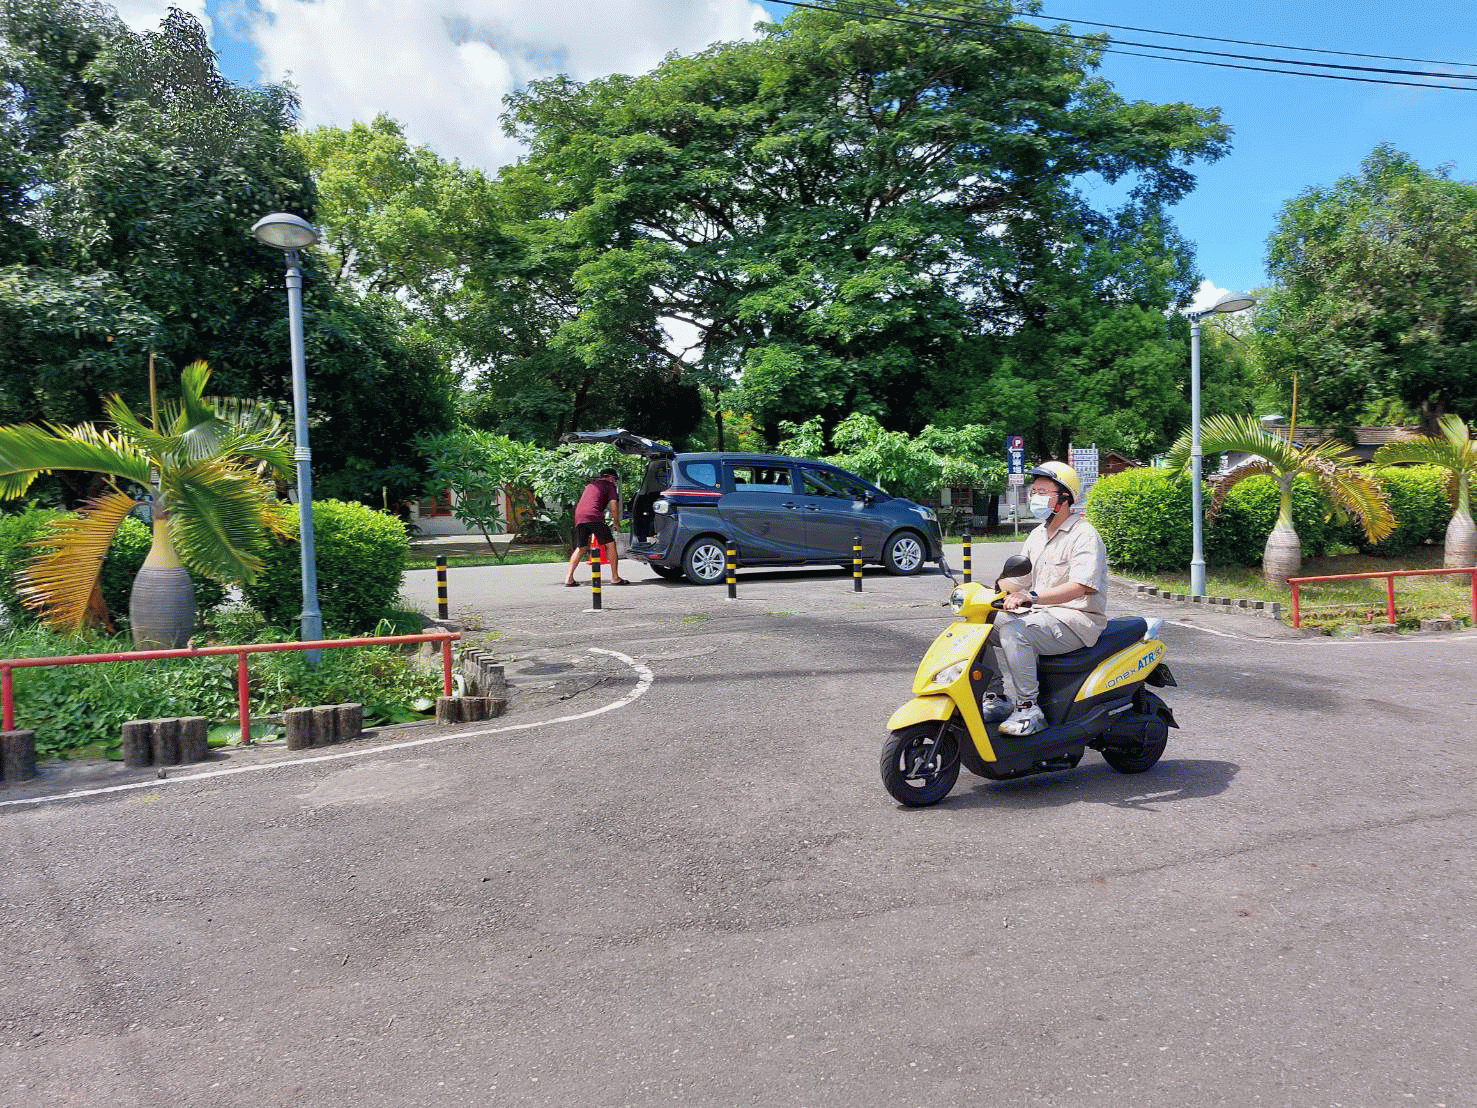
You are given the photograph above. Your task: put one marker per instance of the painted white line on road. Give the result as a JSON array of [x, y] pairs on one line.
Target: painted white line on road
[[644, 678], [1207, 630]]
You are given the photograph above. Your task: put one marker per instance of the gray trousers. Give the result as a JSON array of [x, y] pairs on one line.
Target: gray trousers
[[1022, 638]]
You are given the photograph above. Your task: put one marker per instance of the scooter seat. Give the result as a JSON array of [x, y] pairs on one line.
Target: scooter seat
[[1121, 632]]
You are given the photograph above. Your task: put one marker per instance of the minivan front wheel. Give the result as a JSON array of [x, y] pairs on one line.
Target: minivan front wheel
[[705, 561], [904, 554]]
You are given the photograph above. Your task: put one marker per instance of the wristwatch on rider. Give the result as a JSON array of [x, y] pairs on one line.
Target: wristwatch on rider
[[1033, 596]]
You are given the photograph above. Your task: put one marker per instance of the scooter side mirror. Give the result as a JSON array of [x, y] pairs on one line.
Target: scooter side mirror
[[1017, 565]]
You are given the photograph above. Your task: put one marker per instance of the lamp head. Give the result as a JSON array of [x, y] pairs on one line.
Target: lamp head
[[1233, 302], [284, 231]]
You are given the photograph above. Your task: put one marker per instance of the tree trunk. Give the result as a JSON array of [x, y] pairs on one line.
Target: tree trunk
[[1282, 557], [161, 608], [1461, 542]]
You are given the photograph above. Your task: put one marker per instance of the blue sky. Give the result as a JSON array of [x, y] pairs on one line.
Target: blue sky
[[441, 67]]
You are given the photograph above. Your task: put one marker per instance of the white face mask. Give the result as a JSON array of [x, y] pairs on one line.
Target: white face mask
[[1041, 506]]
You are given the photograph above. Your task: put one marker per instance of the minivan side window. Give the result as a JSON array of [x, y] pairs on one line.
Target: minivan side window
[[702, 473], [758, 478], [835, 482]]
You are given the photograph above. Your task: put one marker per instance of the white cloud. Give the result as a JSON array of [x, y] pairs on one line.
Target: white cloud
[[1206, 296], [146, 15], [442, 67]]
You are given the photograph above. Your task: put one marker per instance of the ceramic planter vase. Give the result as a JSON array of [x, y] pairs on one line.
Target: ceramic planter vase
[[161, 608]]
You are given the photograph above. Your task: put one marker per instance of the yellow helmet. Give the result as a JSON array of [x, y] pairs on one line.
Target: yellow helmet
[[1062, 475]]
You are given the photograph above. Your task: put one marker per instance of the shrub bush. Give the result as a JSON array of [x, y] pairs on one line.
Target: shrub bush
[[1143, 516], [15, 532], [1418, 500], [125, 557], [1237, 534], [360, 555]]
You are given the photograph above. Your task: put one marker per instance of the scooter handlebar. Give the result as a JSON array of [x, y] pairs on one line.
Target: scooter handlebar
[[999, 603]]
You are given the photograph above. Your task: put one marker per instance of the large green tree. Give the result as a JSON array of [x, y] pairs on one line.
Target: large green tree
[[854, 213], [1376, 293], [140, 172]]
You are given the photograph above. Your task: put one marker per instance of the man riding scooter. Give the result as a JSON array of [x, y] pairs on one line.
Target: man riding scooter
[[1060, 606]]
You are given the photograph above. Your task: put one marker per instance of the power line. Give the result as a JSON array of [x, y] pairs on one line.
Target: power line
[[1275, 65], [1251, 42]]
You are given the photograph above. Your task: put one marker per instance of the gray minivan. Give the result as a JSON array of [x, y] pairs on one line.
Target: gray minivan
[[778, 511]]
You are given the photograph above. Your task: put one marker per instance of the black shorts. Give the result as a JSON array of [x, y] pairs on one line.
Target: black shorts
[[584, 532]]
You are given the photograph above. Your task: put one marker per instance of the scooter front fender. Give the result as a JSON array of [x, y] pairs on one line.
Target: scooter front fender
[[939, 708]]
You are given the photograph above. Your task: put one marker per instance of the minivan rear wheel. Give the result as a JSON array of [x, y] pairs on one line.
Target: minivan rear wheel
[[705, 561], [904, 554]]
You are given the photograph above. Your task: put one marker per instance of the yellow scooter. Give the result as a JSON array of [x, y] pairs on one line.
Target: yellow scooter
[[1094, 697]]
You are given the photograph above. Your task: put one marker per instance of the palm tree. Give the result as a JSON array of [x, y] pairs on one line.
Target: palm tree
[[204, 470], [1454, 452], [1332, 466]]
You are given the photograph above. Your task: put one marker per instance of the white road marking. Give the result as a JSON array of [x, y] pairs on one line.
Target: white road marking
[[644, 678]]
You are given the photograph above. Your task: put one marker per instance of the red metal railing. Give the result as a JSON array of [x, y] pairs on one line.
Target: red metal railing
[[243, 681], [1389, 576]]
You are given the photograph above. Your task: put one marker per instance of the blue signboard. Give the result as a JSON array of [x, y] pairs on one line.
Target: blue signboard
[[1015, 455]]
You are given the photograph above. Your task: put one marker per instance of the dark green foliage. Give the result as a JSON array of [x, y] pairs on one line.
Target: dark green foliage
[[847, 208], [1375, 295], [360, 556], [1421, 506], [1143, 516], [15, 532], [1237, 534]]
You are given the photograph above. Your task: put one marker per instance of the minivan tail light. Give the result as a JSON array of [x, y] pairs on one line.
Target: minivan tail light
[[661, 507]]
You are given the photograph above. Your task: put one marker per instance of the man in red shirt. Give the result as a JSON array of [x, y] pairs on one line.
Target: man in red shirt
[[589, 522]]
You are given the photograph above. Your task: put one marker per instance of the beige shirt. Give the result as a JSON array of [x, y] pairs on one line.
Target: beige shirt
[[1076, 554]]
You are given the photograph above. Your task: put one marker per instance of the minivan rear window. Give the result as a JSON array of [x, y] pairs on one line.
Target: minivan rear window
[[702, 473]]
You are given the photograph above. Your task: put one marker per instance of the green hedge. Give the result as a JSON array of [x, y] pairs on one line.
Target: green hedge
[[1422, 511], [360, 557], [1144, 517], [1237, 534], [124, 559]]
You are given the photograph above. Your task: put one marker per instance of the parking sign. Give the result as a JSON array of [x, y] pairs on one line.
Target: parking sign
[[1015, 458]]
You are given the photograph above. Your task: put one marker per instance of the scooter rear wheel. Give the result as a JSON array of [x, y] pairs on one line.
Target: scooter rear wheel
[[921, 763]]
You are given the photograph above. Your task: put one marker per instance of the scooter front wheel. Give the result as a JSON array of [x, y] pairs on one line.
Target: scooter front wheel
[[921, 763]]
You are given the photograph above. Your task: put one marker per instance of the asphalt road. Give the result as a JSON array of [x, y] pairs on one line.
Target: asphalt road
[[672, 876]]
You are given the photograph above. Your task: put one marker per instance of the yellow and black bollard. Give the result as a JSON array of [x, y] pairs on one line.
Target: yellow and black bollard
[[443, 608], [968, 561], [597, 554], [856, 563], [731, 570]]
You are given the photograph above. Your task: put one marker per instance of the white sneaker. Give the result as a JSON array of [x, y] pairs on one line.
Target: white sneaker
[[1027, 719], [996, 709]]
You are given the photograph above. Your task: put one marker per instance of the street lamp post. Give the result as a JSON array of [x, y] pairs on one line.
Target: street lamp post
[[1231, 302], [290, 233]]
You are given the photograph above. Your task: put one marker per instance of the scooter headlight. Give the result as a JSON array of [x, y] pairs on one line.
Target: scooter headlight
[[956, 600], [949, 675]]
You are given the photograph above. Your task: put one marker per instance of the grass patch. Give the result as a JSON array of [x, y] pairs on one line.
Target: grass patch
[[1334, 607], [524, 556], [1004, 535]]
